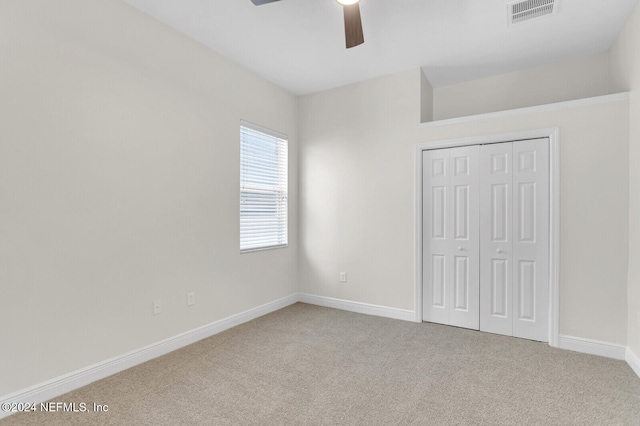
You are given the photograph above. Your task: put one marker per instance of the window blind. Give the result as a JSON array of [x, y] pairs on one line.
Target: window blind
[[263, 188]]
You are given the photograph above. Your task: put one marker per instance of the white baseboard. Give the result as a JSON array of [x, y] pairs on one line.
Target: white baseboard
[[633, 360], [76, 379], [359, 307], [593, 347]]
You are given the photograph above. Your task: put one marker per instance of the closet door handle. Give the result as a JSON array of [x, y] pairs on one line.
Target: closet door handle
[[499, 251], [460, 248]]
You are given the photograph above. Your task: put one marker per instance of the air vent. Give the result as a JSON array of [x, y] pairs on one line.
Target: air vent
[[521, 11]]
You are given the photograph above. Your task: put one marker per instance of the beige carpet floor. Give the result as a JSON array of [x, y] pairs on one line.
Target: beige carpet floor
[[311, 365]]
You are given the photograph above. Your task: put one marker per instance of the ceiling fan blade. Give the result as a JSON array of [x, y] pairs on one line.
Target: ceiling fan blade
[[353, 25], [259, 2]]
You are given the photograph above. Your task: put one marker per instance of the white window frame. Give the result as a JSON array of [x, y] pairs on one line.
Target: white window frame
[[264, 200]]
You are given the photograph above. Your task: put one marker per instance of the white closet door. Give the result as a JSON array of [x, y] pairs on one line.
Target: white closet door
[[531, 239], [465, 244], [514, 239], [435, 199], [450, 237], [496, 310]]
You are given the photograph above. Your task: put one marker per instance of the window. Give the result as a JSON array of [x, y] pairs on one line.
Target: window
[[263, 188]]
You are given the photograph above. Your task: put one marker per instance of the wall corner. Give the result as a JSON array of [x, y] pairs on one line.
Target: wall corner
[[426, 99]]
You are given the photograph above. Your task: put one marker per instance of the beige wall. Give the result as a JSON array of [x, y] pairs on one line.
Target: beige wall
[[625, 65], [119, 185], [356, 205], [357, 198], [575, 79]]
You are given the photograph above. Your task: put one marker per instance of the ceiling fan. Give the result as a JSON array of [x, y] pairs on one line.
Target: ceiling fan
[[352, 22]]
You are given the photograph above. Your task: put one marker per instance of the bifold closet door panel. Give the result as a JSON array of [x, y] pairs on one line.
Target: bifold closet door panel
[[451, 236], [531, 239], [465, 237], [435, 212], [496, 224], [514, 239]]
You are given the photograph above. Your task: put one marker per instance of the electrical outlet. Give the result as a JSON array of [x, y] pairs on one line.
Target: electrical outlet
[[157, 307], [343, 277], [191, 298]]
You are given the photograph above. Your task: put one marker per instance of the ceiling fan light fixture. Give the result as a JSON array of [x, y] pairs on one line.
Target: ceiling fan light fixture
[[347, 2]]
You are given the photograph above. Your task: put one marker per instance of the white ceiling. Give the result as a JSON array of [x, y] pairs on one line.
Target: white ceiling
[[299, 44]]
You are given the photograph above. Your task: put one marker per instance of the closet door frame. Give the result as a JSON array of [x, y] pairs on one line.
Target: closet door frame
[[554, 213]]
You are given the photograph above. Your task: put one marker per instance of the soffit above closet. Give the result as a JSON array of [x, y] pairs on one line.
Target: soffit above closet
[[299, 44]]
